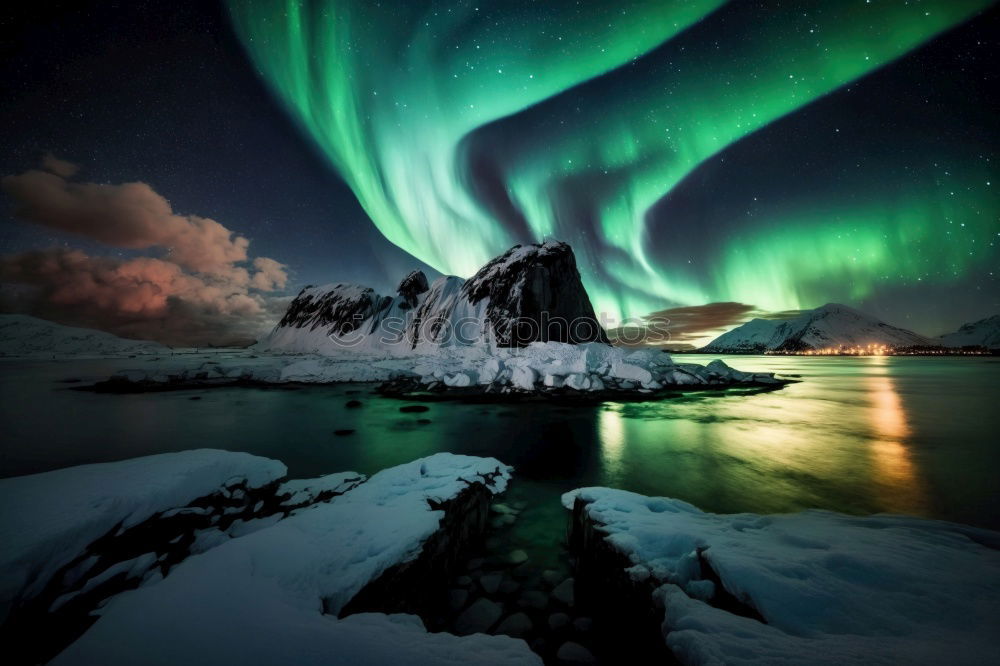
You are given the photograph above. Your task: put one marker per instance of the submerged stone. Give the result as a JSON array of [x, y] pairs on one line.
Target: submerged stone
[[574, 653], [558, 621], [534, 599], [478, 618], [457, 598], [517, 625], [564, 592], [552, 577], [517, 557], [491, 582]]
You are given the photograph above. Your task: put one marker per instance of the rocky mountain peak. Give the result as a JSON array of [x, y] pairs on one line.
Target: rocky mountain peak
[[411, 287], [534, 293]]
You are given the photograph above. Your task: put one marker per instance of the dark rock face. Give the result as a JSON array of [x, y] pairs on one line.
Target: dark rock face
[[411, 287], [343, 308], [535, 294], [623, 606]]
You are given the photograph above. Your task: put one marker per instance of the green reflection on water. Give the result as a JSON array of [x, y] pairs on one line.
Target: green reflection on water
[[859, 435]]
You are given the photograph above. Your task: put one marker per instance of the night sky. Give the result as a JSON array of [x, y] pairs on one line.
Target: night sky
[[770, 155]]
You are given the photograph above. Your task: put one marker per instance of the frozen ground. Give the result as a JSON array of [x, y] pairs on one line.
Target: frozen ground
[[831, 588]]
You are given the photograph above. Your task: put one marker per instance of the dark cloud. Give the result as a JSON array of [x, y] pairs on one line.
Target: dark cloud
[[197, 291], [676, 328], [784, 314], [59, 167]]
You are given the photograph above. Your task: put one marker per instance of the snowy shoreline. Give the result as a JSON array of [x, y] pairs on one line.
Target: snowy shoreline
[[211, 556], [216, 557], [540, 370]]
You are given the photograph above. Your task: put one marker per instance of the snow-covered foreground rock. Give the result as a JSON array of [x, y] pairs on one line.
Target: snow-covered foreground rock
[[260, 581], [47, 520], [24, 336], [540, 368], [824, 587]]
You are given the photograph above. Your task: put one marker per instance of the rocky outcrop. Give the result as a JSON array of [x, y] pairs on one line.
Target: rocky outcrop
[[531, 293], [284, 592], [534, 294], [128, 556], [621, 604], [340, 308], [416, 586], [411, 287]]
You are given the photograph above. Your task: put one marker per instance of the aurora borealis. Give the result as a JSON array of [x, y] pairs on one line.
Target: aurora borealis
[[464, 128], [742, 157]]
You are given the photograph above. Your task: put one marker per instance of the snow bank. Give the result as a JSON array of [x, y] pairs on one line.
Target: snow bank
[[585, 367], [832, 588], [272, 596], [537, 367], [21, 335], [47, 520]]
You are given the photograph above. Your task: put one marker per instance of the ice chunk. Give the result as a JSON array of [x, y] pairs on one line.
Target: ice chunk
[[458, 380], [523, 377], [625, 370], [489, 370]]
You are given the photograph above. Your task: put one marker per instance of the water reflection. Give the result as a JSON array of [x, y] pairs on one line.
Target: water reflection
[[856, 435], [611, 432], [895, 475]]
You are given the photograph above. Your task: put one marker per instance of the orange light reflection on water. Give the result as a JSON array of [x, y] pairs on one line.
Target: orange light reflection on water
[[896, 478]]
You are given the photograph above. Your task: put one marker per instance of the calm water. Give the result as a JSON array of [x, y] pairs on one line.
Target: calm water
[[860, 435]]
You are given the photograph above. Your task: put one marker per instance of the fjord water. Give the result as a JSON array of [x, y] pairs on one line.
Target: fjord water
[[854, 434]]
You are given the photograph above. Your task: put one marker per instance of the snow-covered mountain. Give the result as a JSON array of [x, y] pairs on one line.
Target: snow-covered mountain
[[830, 326], [530, 293], [21, 335], [982, 333]]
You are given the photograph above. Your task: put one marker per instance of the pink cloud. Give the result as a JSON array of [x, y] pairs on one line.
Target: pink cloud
[[130, 215], [196, 291]]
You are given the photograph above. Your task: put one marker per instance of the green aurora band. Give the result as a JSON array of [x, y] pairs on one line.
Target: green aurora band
[[403, 98]]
